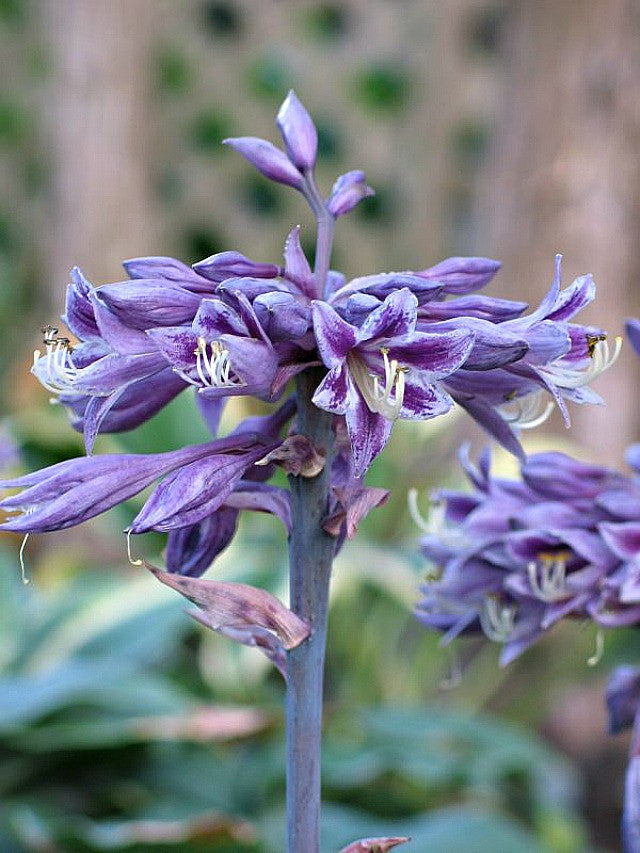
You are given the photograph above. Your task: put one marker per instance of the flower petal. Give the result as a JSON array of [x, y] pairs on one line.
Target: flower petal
[[334, 336], [368, 432], [267, 159], [332, 394], [298, 132], [396, 317]]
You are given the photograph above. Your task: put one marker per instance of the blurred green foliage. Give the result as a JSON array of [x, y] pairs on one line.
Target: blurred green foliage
[[269, 77], [119, 730], [383, 87], [327, 21]]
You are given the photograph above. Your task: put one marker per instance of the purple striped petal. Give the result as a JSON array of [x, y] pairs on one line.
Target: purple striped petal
[[368, 432], [332, 394], [334, 336], [396, 317]]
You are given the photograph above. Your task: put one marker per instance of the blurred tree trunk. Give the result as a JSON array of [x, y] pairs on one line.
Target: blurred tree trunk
[[101, 136], [565, 176]]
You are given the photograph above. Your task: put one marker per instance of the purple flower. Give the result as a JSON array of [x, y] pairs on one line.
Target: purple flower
[[517, 556], [383, 370], [348, 190]]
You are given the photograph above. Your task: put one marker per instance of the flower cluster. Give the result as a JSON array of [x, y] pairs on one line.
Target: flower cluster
[[514, 557], [387, 346]]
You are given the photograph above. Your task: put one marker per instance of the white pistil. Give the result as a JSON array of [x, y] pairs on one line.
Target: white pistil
[[130, 558], [214, 369], [600, 357], [527, 412], [55, 369], [497, 620], [23, 573], [435, 522], [384, 398], [595, 658], [547, 578]]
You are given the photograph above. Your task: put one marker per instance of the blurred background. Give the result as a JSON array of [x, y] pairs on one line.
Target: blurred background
[[507, 129]]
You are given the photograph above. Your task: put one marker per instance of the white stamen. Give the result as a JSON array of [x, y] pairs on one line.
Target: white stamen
[[434, 524], [595, 658], [527, 412], [214, 370], [382, 399], [497, 620], [131, 560], [23, 573], [55, 369], [600, 358], [547, 578]]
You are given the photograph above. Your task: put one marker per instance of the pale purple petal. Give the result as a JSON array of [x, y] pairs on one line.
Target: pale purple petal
[[146, 303], [79, 316], [194, 491], [168, 269], [225, 265], [462, 275], [267, 159], [296, 265], [623, 539], [573, 298], [348, 190], [491, 421], [298, 132]]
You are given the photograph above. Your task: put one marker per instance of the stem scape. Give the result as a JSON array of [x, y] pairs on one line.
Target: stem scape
[[310, 557]]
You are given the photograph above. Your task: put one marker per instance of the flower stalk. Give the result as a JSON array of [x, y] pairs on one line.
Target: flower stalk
[[311, 555]]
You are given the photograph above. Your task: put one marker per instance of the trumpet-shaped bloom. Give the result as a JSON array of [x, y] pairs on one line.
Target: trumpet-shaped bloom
[[383, 370]]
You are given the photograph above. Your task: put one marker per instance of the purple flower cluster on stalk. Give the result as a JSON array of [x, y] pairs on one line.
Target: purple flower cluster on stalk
[[362, 353], [395, 345], [514, 557]]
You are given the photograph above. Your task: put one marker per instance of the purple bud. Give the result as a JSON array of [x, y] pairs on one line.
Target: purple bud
[[298, 132], [273, 163], [226, 265], [348, 190], [462, 275]]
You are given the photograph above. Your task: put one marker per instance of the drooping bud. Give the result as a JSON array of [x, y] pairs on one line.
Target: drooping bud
[[348, 190], [224, 265], [269, 160], [298, 132]]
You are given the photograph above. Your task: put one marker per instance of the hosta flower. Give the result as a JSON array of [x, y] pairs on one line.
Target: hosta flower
[[383, 370], [517, 556]]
